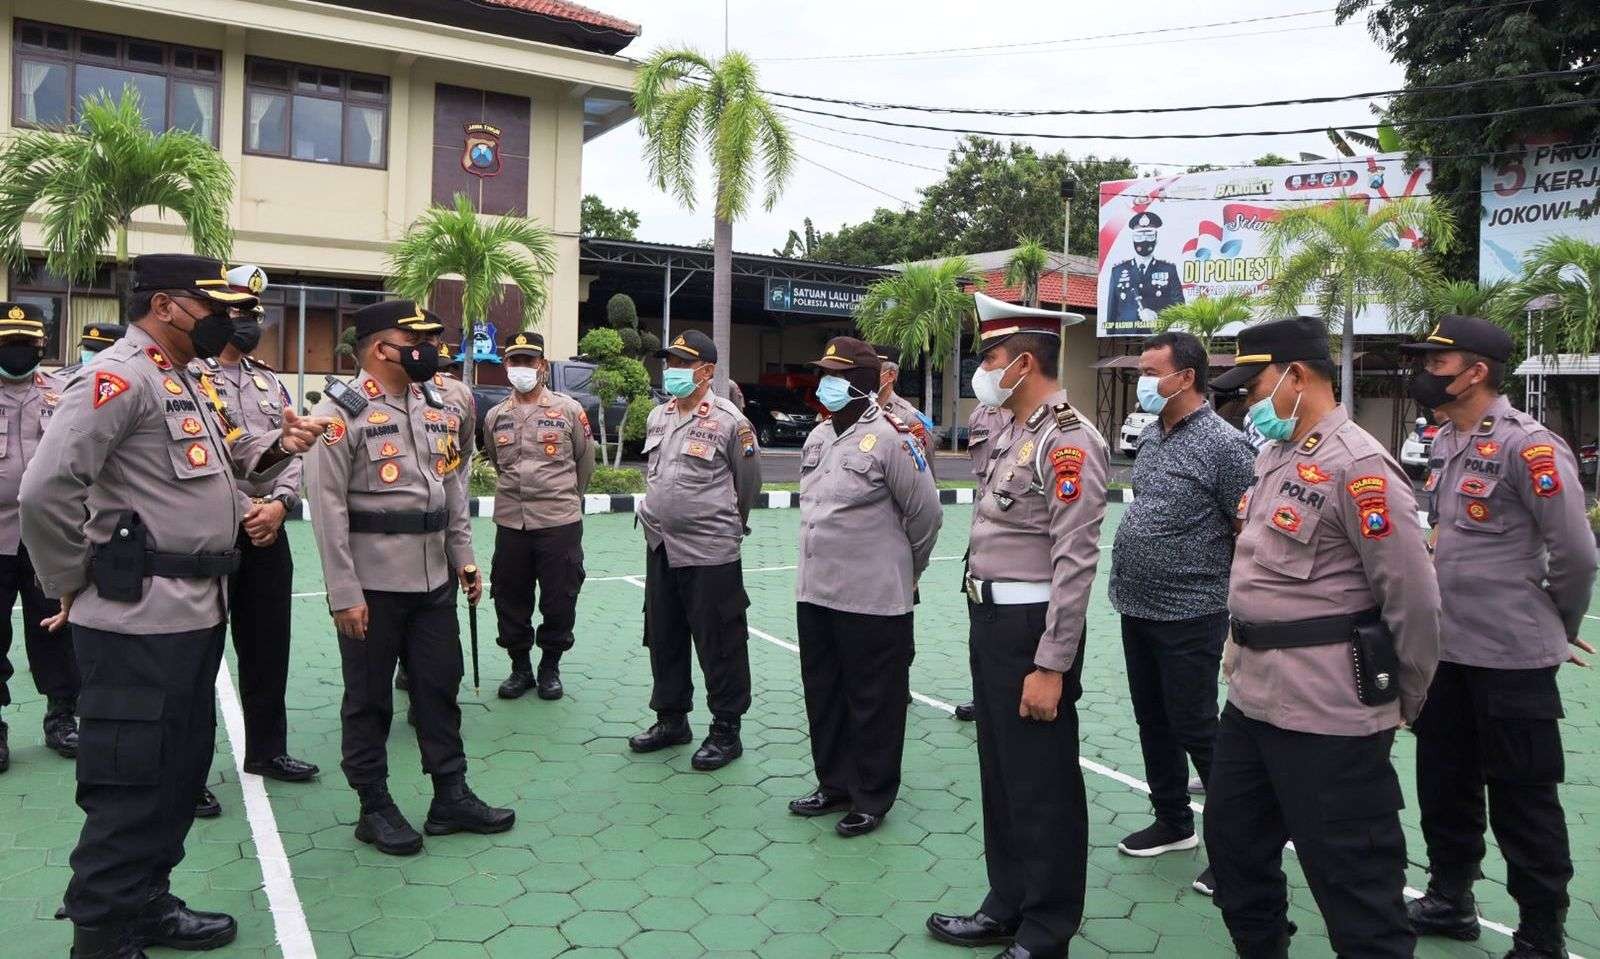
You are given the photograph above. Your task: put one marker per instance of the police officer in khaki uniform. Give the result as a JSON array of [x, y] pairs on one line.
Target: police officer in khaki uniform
[[27, 398], [703, 478], [137, 448], [541, 449], [392, 530], [891, 402], [96, 337], [984, 427], [1033, 551], [1516, 566], [1335, 636], [864, 479]]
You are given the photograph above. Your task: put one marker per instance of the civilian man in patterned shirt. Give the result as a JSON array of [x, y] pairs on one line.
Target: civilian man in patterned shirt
[[1169, 580]]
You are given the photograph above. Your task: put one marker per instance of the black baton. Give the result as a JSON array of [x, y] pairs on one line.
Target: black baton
[[472, 627]]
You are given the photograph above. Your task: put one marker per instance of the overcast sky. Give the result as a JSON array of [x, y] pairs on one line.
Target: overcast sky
[[1280, 58]]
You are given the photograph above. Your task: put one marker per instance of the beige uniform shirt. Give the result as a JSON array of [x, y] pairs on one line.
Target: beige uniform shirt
[[984, 427], [134, 432], [254, 399], [1512, 547], [397, 455], [869, 516], [461, 411], [1037, 518], [1330, 528], [25, 408], [901, 409], [543, 455], [703, 478]]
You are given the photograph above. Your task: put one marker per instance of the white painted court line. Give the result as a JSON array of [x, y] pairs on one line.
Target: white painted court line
[[288, 915], [1098, 769]]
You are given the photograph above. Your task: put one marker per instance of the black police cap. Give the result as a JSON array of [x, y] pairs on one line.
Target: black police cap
[[1280, 341], [887, 353], [21, 320], [1470, 334], [199, 276], [690, 345], [523, 342], [848, 353], [98, 336], [393, 315]]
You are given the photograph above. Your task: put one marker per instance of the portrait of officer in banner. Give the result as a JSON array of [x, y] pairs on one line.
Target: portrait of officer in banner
[[1142, 286]]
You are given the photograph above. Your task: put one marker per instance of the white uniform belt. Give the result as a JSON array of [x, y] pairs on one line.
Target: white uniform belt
[[1007, 594]]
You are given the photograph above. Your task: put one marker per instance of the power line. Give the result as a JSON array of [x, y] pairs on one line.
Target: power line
[[875, 156], [1117, 111], [861, 183]]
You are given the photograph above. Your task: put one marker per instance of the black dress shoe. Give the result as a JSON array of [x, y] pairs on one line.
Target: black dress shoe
[[722, 746], [966, 712], [818, 803], [284, 768], [5, 748], [550, 683], [402, 681], [519, 682], [385, 827], [61, 728], [104, 942], [207, 805], [668, 731], [167, 921], [857, 824], [974, 930], [1015, 951], [456, 809]]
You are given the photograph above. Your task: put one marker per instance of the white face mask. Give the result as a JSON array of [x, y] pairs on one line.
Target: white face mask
[[986, 385], [524, 379]]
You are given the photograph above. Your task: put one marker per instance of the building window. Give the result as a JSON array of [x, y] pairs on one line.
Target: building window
[[322, 116], [67, 307], [57, 68]]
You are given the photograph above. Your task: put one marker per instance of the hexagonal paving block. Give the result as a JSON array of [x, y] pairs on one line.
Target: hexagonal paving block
[[792, 915], [609, 894], [667, 912], [469, 923], [524, 942], [599, 929], [862, 934], [662, 944], [732, 899], [390, 937], [731, 932]]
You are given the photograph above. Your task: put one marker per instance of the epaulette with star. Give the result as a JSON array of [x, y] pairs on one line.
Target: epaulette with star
[[896, 422], [1066, 416]]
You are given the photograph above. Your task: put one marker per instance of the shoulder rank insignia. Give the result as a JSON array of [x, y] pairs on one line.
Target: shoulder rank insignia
[[1311, 442], [1541, 460], [1038, 416], [344, 397], [158, 358], [917, 456], [896, 422], [212, 364], [1486, 424], [107, 387], [704, 410], [1372, 503], [1066, 416], [371, 388]]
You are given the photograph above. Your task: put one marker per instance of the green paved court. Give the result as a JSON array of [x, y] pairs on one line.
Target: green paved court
[[617, 855]]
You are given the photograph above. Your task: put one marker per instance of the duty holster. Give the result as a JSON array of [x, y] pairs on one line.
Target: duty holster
[[119, 564], [1373, 660]]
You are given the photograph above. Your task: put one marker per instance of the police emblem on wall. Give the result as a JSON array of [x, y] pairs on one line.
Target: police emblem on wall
[[480, 155]]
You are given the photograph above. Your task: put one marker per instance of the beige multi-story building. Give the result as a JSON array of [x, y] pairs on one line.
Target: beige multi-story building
[[342, 121]]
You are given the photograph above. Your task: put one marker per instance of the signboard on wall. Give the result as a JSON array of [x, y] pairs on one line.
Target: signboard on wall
[[1168, 240], [821, 299], [1547, 191]]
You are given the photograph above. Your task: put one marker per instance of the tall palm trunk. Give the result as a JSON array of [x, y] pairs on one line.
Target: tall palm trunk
[[121, 278], [466, 349], [722, 301], [1347, 358]]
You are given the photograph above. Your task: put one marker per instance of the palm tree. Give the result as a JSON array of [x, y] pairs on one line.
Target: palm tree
[[487, 253], [686, 101], [86, 181], [1496, 302], [1341, 257], [923, 311], [1205, 315], [1565, 272], [1027, 264]]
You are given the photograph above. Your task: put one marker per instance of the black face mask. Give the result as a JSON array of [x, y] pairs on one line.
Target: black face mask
[[1431, 390], [211, 334], [18, 360], [420, 361], [1144, 247], [246, 334]]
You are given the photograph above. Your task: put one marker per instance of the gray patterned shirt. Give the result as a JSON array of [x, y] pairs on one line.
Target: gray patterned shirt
[[1174, 546]]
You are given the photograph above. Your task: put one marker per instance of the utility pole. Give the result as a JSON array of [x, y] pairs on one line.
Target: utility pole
[[1069, 188]]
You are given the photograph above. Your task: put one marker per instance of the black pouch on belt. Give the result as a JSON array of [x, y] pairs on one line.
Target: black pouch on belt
[[119, 564], [1377, 666]]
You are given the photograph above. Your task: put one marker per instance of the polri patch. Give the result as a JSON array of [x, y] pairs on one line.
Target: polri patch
[[107, 387], [1372, 504], [1541, 460]]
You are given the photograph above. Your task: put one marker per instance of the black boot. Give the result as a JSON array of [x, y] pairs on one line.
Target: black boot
[[669, 730], [456, 809], [61, 727], [519, 682], [5, 748], [1447, 909], [1540, 937], [966, 712], [104, 942], [207, 805], [383, 825], [402, 682], [550, 677], [721, 747], [167, 921]]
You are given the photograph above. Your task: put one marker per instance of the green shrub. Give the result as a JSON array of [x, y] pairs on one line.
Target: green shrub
[[1594, 513], [649, 343], [631, 341], [481, 479], [608, 479], [621, 313], [633, 425]]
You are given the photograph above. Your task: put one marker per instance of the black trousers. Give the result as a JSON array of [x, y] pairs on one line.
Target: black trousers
[[420, 632], [147, 733], [1035, 814], [1338, 798], [1495, 731], [543, 562], [50, 659], [259, 604], [705, 606], [1172, 680], [856, 671]]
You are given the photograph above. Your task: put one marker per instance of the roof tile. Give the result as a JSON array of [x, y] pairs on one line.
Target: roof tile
[[562, 10]]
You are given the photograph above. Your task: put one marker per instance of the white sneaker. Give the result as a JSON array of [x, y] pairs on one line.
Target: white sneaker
[[1156, 839]]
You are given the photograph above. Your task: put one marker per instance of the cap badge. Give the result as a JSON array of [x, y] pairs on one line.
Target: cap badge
[[832, 350], [258, 281], [868, 442], [522, 340], [16, 314]]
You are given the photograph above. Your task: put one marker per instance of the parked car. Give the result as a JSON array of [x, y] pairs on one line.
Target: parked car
[[1128, 440], [1416, 448], [1588, 459], [566, 376], [779, 415]]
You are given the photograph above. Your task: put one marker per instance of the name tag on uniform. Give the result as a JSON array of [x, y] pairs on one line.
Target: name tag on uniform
[[699, 449]]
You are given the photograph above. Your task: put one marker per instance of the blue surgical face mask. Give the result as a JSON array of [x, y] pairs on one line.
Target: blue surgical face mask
[[835, 393], [1149, 392], [87, 356], [679, 381], [1264, 416]]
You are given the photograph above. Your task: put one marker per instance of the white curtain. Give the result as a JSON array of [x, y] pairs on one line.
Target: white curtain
[[374, 123], [33, 77], [81, 311], [260, 106], [205, 104]]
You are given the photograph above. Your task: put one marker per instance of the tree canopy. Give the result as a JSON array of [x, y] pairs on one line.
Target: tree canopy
[[611, 223]]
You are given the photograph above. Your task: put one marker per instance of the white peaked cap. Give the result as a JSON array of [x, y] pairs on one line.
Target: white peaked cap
[[248, 278]]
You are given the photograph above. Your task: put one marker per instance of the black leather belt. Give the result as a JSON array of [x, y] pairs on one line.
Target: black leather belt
[[191, 565], [1324, 631], [406, 521]]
